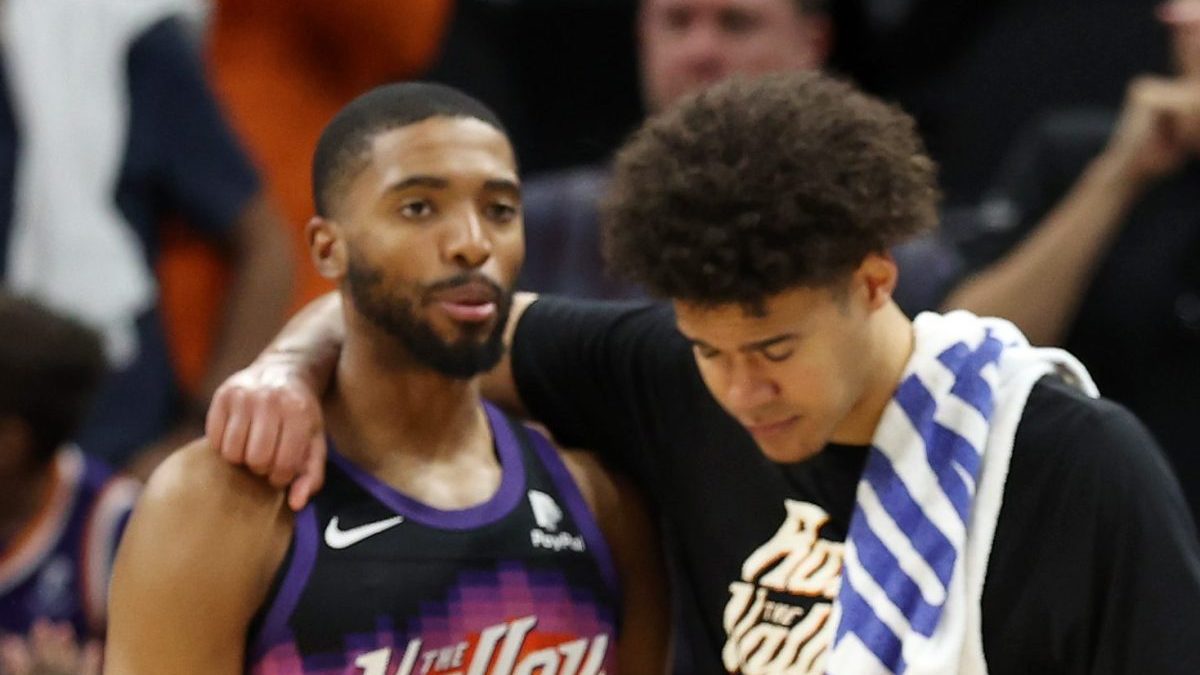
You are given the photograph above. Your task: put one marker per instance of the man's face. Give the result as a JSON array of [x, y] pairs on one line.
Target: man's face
[[789, 376], [434, 241], [1183, 19], [690, 44]]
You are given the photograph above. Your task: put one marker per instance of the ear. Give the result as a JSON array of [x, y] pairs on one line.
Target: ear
[[877, 275], [327, 247]]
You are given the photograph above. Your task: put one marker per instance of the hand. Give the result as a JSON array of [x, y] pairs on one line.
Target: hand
[[50, 649], [1158, 130], [268, 417]]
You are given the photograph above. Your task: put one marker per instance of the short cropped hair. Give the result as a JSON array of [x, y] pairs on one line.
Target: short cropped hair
[[50, 367], [342, 151], [754, 187]]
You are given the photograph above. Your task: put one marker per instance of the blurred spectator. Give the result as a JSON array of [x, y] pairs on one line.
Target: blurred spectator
[[683, 45], [60, 511], [975, 74], [284, 67], [107, 128], [511, 53], [1098, 225]]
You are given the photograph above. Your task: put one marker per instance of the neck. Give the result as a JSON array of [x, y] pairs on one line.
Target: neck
[[21, 497], [385, 405], [893, 331]]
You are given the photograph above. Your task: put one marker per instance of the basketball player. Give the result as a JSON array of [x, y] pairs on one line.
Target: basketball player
[[60, 511], [849, 492], [449, 539]]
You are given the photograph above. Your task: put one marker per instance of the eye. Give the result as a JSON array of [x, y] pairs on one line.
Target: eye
[[416, 209], [777, 353], [705, 352], [738, 23], [676, 19], [500, 212]]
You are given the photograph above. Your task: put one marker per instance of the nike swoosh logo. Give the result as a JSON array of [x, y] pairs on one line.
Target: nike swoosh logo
[[339, 539]]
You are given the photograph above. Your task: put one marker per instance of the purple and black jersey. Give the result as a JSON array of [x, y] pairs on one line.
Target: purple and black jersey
[[376, 583], [58, 566]]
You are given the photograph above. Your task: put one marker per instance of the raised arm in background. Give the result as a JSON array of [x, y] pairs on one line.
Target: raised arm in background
[[1040, 284]]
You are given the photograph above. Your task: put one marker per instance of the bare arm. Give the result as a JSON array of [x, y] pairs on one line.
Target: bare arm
[[644, 644], [1040, 284], [193, 568], [268, 415]]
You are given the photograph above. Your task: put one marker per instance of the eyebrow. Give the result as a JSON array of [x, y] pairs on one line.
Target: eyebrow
[[502, 184], [437, 183], [419, 181], [750, 346]]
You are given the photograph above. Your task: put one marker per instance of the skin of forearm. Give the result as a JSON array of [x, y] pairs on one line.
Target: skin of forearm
[[311, 340], [257, 297], [1039, 285]]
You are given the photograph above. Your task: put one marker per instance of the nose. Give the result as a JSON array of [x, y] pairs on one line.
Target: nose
[[702, 51], [469, 244], [748, 390]]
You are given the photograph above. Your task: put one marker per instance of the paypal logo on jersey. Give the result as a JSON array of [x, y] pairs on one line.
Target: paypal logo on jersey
[[545, 510], [548, 515]]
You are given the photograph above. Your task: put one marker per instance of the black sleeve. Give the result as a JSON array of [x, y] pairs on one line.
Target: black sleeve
[[1098, 522], [591, 372], [1148, 567]]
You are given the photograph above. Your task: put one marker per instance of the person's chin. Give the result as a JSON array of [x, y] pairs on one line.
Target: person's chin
[[784, 442]]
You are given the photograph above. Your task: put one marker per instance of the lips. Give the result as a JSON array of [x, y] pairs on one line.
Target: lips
[[473, 301], [767, 429]]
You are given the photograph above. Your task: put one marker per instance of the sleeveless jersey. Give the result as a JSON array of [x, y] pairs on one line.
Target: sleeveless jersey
[[58, 566], [377, 583]]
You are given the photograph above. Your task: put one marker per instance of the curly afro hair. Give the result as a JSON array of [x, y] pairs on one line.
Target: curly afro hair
[[754, 187]]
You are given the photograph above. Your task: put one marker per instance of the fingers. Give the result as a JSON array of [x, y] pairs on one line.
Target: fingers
[[237, 427], [263, 437], [15, 658], [54, 648], [295, 438], [268, 418], [312, 475], [49, 649]]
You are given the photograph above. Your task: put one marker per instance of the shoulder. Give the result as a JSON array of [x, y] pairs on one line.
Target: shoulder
[[227, 529], [197, 497], [195, 475], [617, 504], [600, 488], [203, 535], [1058, 413], [1094, 448]]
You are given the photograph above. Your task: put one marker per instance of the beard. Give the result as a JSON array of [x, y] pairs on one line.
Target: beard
[[477, 351]]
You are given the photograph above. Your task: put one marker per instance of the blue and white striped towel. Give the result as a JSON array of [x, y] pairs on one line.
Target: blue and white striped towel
[[927, 503]]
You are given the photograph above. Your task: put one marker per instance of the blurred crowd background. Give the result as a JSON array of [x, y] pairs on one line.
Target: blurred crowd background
[[1066, 132]]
